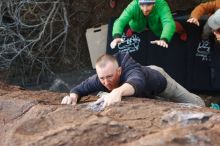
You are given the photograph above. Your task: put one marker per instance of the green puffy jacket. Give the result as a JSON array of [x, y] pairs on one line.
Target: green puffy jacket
[[160, 20]]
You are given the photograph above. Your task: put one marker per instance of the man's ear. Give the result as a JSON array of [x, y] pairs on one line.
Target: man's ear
[[119, 70]]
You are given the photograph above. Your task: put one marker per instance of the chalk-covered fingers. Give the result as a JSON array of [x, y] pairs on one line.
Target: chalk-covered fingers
[[115, 42], [161, 43], [194, 21], [71, 99]]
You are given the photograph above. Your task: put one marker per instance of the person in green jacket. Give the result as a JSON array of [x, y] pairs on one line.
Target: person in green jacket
[[146, 14]]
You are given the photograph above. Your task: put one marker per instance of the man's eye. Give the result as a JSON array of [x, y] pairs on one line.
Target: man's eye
[[109, 77]]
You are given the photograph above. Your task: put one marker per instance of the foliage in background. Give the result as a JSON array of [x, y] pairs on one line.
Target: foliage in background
[[33, 36]]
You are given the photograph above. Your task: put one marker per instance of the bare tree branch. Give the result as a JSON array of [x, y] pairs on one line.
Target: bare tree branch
[[33, 33]]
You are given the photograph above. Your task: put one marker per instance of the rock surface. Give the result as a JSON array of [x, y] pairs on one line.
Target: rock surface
[[33, 118]]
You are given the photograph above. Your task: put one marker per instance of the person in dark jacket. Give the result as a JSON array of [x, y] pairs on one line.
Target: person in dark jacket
[[120, 76]]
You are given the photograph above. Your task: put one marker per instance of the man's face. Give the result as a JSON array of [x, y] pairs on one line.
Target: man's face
[[109, 75], [217, 34], [146, 8]]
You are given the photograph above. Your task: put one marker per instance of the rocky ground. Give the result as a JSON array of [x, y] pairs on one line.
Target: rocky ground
[[33, 118]]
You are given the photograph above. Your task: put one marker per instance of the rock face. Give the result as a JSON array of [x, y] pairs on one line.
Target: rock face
[[33, 118]]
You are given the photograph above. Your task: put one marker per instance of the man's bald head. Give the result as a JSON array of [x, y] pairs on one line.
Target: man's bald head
[[104, 59]]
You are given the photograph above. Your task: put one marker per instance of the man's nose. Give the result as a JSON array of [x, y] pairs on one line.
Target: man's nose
[[106, 81], [145, 8]]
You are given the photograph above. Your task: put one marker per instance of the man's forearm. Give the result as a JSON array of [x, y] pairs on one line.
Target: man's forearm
[[116, 94], [125, 90], [203, 9]]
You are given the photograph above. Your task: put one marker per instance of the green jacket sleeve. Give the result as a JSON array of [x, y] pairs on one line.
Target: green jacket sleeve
[[167, 21], [123, 20]]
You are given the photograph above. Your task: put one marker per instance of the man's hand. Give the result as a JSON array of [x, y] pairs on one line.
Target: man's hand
[[115, 42], [217, 35], [109, 98], [194, 21], [161, 43], [116, 94], [112, 98], [72, 99]]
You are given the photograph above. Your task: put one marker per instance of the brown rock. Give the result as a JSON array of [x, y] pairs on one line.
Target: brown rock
[[36, 118]]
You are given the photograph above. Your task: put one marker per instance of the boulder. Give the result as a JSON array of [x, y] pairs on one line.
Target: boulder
[[37, 118]]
